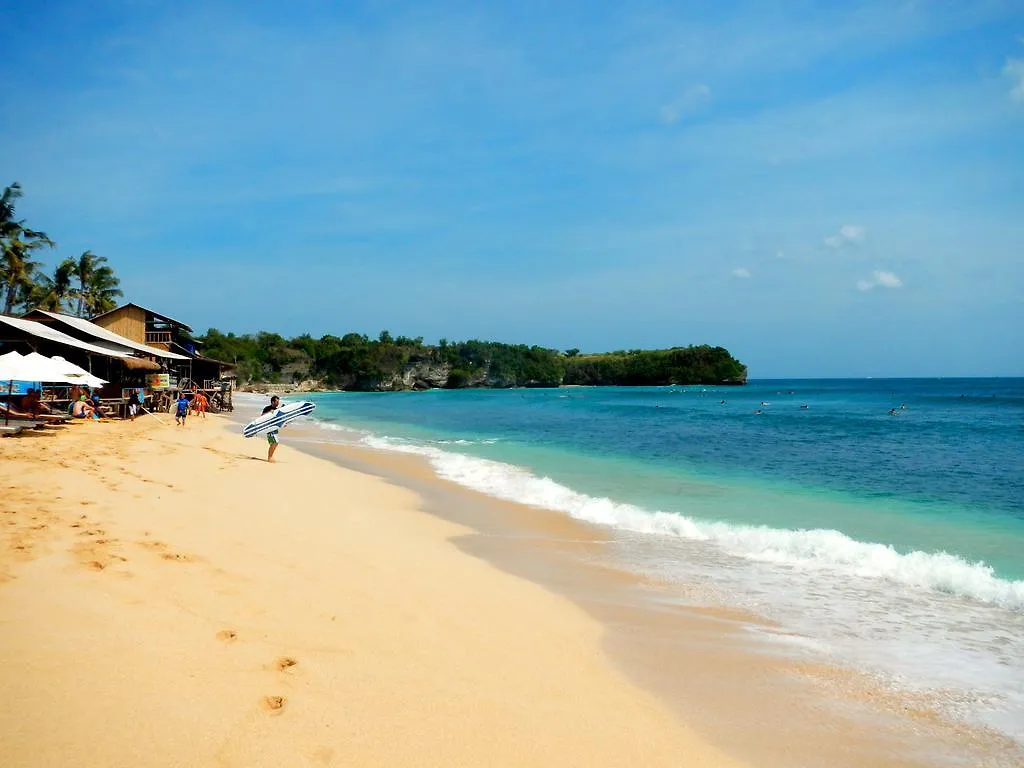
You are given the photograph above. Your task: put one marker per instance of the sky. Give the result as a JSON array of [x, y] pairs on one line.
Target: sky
[[824, 188]]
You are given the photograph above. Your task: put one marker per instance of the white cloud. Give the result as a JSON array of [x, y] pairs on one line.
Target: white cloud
[[741, 272], [848, 234], [888, 280], [852, 232], [695, 97], [1014, 69], [880, 279]]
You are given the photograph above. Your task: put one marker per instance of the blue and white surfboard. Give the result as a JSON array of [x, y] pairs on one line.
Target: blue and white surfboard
[[277, 419]]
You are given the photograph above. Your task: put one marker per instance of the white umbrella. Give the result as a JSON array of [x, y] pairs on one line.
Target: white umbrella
[[68, 373], [15, 366]]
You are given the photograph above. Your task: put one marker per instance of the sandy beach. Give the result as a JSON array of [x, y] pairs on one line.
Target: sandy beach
[[168, 598]]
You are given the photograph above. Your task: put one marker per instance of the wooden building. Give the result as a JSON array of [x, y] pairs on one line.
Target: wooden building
[[195, 372]]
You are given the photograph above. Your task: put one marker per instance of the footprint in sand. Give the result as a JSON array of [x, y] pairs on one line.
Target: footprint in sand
[[227, 635], [177, 557], [285, 662], [273, 704]]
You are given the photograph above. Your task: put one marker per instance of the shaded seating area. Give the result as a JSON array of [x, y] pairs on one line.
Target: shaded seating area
[[28, 411]]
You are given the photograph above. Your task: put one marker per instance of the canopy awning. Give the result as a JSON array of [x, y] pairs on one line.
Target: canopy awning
[[45, 332], [104, 338]]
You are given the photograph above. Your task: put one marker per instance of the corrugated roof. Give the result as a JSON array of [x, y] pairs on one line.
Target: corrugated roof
[[101, 333], [43, 331], [165, 318]]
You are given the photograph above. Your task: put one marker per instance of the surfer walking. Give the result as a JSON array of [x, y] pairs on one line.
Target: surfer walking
[[275, 403]]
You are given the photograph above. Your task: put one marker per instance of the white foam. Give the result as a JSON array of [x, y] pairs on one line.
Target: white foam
[[815, 549]]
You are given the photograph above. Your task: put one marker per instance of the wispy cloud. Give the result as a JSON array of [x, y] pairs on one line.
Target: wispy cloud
[[741, 272], [880, 279], [849, 234], [693, 100]]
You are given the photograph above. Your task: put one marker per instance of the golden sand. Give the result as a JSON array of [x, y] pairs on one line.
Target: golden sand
[[167, 598]]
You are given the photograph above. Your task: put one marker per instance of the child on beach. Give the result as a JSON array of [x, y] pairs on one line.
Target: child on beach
[[199, 403], [182, 409]]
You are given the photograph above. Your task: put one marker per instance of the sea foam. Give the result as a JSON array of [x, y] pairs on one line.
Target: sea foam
[[813, 549]]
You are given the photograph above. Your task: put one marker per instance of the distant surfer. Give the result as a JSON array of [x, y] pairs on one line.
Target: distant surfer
[[275, 403]]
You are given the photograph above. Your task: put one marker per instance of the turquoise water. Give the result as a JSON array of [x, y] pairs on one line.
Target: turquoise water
[[893, 539], [945, 473]]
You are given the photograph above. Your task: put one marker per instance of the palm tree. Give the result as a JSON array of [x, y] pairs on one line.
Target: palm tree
[[7, 198], [56, 293], [86, 267], [101, 292], [17, 269]]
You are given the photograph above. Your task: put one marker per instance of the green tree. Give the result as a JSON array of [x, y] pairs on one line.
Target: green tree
[[17, 245], [54, 294], [94, 277], [101, 292]]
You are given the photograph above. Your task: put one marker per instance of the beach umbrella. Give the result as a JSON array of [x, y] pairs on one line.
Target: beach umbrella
[[17, 367], [64, 372], [86, 377]]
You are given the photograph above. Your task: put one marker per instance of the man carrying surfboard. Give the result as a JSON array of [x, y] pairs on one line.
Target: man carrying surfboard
[[275, 403]]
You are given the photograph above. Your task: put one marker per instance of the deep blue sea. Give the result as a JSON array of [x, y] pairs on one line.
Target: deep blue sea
[[879, 522]]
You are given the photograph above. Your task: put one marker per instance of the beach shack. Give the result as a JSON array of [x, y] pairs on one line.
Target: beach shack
[[190, 370]]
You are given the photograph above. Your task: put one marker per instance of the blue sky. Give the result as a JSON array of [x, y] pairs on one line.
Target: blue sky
[[824, 188]]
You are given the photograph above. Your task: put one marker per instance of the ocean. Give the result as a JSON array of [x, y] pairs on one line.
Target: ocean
[[880, 523]]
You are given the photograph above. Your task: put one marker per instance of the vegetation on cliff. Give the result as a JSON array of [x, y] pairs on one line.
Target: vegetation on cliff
[[356, 362]]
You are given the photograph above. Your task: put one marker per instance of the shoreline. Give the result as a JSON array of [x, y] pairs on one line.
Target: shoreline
[[649, 632], [170, 599], [223, 611]]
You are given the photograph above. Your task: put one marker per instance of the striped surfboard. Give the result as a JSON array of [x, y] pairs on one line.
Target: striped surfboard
[[277, 419]]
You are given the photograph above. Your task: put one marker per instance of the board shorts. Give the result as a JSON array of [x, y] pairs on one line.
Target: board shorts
[[272, 437], [133, 410], [181, 414]]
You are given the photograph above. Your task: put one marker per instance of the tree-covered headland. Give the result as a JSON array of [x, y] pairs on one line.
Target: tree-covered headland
[[357, 362], [87, 286]]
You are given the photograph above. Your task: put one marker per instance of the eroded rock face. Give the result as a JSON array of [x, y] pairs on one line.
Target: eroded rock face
[[426, 375]]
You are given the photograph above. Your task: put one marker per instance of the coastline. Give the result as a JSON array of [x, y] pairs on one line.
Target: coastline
[[167, 601], [730, 673], [168, 581]]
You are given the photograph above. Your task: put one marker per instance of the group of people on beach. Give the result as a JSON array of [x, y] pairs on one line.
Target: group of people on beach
[[183, 405], [86, 404]]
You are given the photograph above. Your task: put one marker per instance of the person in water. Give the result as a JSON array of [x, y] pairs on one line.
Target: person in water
[[181, 409], [272, 435]]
